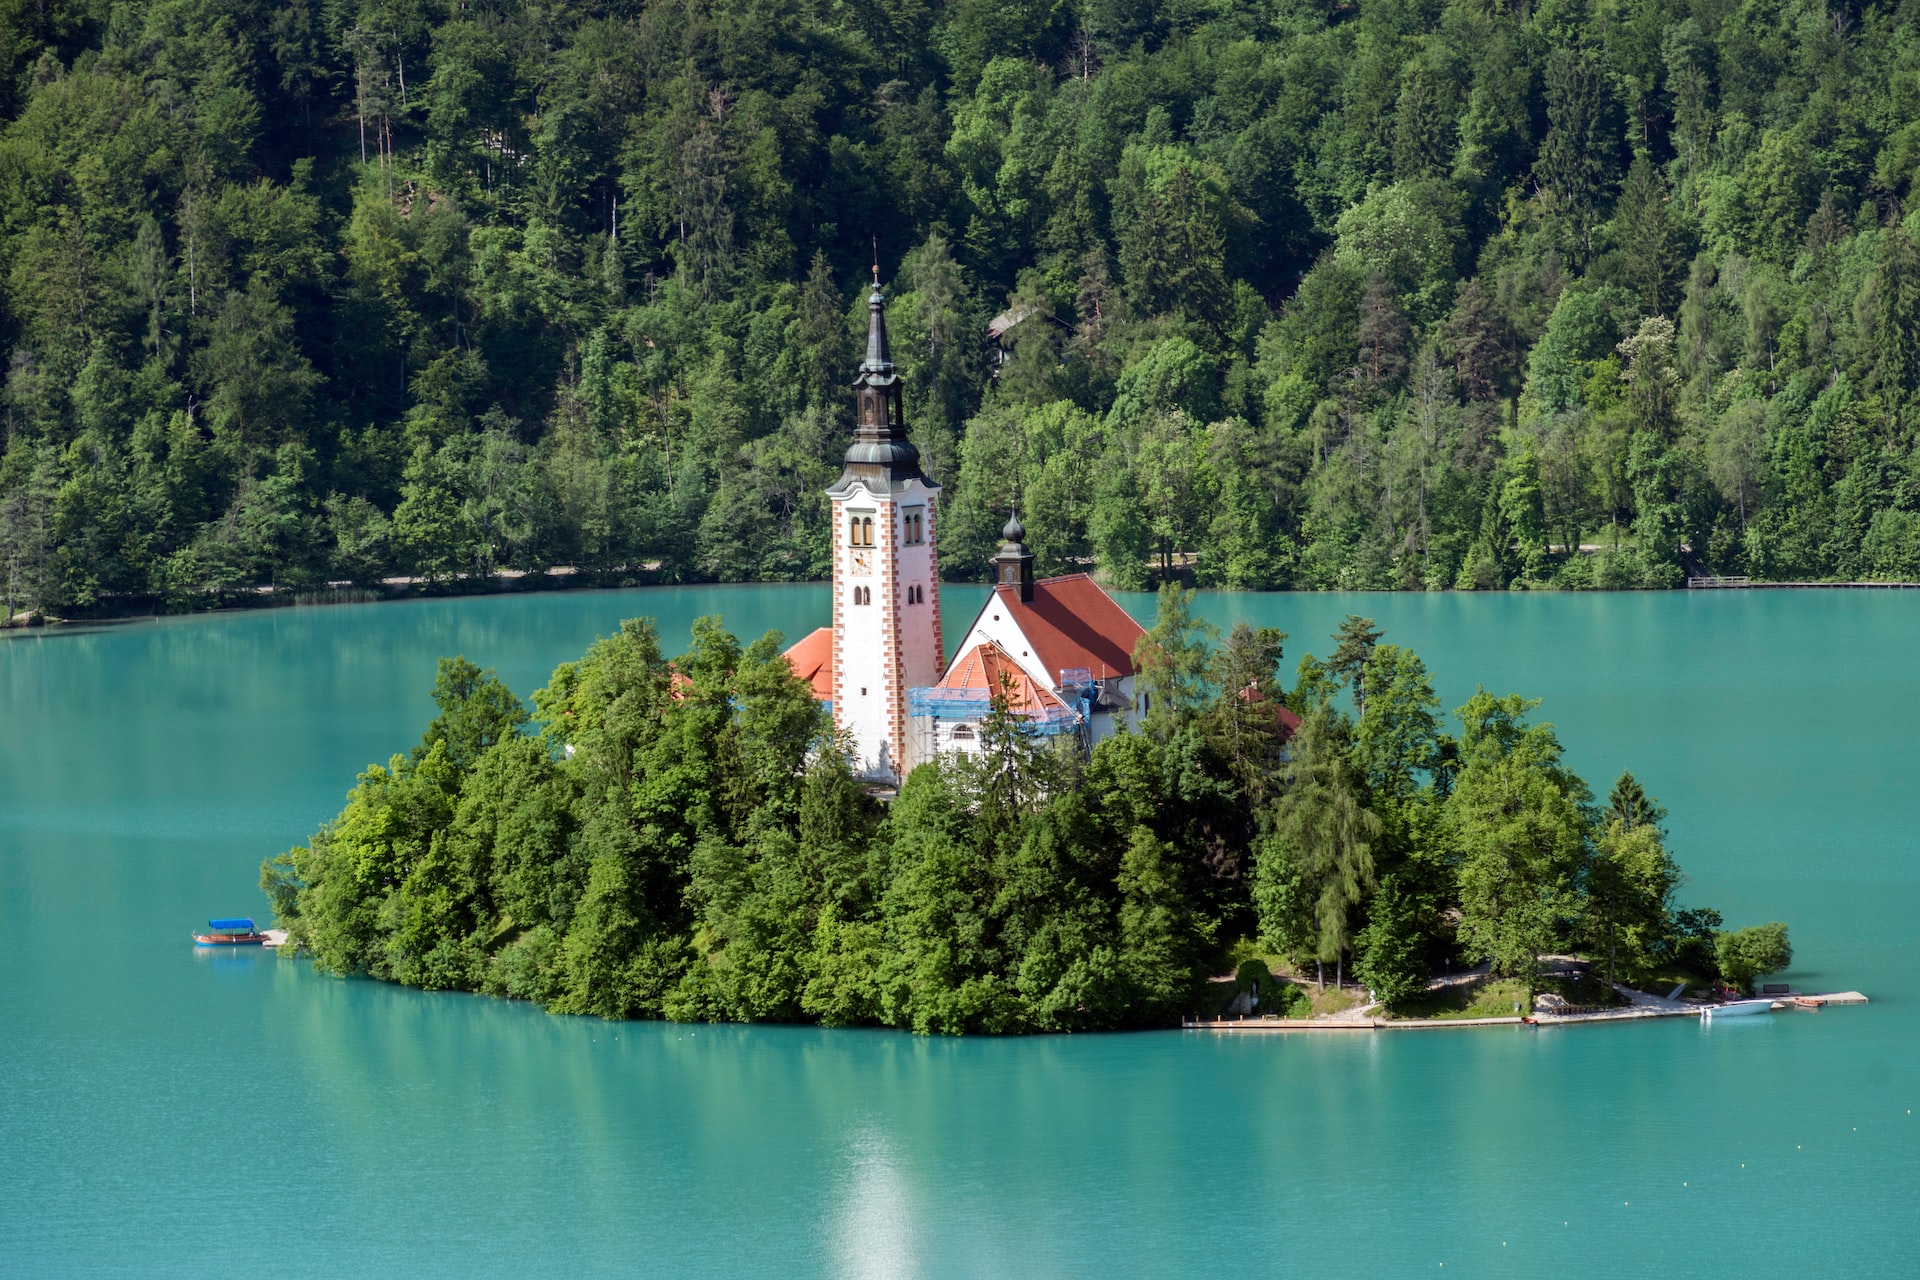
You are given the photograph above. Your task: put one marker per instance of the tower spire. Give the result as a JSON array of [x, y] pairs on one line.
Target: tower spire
[[1013, 563], [879, 355], [880, 453], [886, 584]]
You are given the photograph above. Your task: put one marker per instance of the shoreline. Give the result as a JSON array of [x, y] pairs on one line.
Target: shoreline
[[1639, 1013], [570, 578]]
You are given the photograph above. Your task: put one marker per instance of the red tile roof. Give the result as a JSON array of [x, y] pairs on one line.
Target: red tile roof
[[1289, 723], [811, 658], [984, 666], [1072, 623]]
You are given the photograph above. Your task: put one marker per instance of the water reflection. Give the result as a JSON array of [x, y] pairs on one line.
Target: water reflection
[[873, 1233]]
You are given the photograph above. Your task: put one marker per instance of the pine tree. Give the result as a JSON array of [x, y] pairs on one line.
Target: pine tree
[[1383, 337]]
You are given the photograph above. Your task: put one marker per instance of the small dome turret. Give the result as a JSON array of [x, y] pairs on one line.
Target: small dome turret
[[1013, 563]]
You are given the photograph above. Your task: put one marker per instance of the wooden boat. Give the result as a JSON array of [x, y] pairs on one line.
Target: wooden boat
[[236, 932], [1737, 1009]]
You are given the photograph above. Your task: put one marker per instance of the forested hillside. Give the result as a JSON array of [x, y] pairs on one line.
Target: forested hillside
[[1381, 294]]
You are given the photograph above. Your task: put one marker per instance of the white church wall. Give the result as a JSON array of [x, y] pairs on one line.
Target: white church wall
[[920, 656], [996, 624], [861, 676], [891, 643], [1105, 726]]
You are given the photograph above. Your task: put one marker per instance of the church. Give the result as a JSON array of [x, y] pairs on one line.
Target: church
[[1062, 648]]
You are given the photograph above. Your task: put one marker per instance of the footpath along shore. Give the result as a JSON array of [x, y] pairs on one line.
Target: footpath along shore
[[1643, 1007]]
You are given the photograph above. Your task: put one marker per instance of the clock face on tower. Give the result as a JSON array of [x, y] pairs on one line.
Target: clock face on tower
[[863, 562]]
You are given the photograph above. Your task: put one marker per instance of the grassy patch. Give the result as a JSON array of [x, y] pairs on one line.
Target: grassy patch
[[1334, 999], [1484, 998]]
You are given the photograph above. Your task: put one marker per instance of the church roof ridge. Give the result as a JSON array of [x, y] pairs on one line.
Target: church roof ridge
[[1073, 624]]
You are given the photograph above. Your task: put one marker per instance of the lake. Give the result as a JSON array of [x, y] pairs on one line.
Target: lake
[[163, 1110]]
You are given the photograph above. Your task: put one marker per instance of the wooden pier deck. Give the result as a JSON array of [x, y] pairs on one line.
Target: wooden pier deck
[[1654, 1008]]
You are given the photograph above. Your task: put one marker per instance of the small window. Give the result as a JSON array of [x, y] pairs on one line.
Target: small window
[[866, 531], [961, 731]]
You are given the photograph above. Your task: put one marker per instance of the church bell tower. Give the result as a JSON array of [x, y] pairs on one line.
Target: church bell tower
[[886, 591]]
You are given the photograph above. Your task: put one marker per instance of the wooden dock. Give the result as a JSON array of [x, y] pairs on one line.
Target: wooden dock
[[1637, 1013]]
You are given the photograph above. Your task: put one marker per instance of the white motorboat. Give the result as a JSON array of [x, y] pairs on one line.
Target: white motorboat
[[1736, 1009]]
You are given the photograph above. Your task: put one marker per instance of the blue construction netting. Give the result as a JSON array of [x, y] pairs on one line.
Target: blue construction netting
[[973, 704]]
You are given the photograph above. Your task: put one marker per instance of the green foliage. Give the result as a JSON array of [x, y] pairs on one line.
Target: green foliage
[[1393, 948], [1747, 954], [1330, 299], [684, 839]]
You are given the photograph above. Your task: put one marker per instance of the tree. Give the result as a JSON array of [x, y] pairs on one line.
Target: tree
[[1352, 652], [1747, 954], [1896, 321], [1159, 940], [1573, 167], [1383, 336], [477, 711], [1515, 818], [1649, 247], [1629, 882], [1392, 950], [1629, 805], [1482, 342], [1323, 823], [1171, 663], [1397, 738], [1244, 719]]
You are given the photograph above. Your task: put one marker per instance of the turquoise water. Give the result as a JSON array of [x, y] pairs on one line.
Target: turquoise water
[[161, 1107]]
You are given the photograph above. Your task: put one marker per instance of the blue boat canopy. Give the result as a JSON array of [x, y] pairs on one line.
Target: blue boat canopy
[[225, 926]]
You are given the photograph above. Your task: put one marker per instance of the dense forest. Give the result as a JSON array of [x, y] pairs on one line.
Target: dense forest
[[1378, 293], [683, 839]]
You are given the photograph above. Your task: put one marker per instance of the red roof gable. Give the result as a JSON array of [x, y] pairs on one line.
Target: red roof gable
[[1072, 623], [983, 667], [811, 658], [1289, 723]]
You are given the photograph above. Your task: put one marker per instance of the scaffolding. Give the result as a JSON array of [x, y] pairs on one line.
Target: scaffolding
[[942, 719]]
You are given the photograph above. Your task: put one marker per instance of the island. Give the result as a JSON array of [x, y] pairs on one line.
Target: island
[[686, 838]]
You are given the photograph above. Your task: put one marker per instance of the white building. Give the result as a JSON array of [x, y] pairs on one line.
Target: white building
[[885, 637], [1061, 647]]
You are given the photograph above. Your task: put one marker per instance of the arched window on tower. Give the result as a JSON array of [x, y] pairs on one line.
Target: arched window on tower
[[866, 531]]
